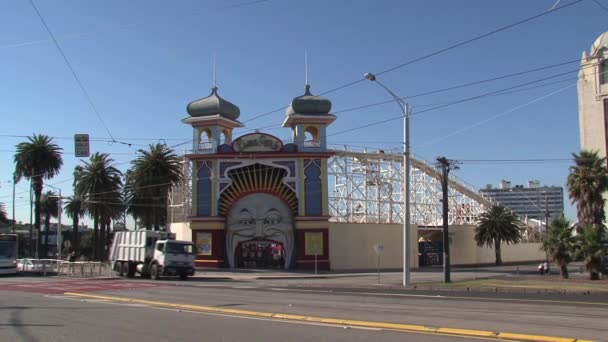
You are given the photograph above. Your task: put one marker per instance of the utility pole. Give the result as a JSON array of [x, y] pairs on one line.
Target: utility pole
[[446, 166], [59, 236], [14, 181]]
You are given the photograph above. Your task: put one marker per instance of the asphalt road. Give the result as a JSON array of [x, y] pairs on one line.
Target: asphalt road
[[35, 309]]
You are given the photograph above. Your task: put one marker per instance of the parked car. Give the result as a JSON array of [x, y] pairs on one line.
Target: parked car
[[28, 265]]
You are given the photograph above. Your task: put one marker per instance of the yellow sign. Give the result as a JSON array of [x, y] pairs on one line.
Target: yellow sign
[[313, 243], [203, 243]]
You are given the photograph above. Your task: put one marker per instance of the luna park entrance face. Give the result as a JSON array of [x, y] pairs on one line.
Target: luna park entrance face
[[260, 254]]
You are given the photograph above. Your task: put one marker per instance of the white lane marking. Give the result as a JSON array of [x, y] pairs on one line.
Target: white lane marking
[[243, 287]]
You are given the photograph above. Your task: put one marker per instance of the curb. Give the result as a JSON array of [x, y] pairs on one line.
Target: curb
[[341, 322]]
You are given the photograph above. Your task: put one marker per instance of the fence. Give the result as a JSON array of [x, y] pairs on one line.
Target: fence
[[77, 269]]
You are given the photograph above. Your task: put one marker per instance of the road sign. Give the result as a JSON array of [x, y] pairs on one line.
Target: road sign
[[81, 145]]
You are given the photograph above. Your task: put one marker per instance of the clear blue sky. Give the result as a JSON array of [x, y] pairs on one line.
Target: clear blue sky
[[143, 61]]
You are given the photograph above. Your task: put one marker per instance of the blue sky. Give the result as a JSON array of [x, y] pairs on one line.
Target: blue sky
[[142, 62]]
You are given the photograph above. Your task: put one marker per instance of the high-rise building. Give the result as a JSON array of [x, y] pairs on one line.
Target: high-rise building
[[532, 202]]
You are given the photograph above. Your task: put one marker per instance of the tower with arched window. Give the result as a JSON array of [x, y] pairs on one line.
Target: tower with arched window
[[593, 96], [308, 117], [212, 119]]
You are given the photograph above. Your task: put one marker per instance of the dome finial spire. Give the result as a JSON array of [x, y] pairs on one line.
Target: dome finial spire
[[306, 66], [214, 71]]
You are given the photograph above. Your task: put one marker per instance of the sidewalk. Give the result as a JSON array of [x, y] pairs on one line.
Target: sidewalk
[[511, 279]]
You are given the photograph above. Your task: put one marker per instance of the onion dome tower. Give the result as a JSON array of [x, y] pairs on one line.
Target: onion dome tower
[[308, 117], [213, 120]]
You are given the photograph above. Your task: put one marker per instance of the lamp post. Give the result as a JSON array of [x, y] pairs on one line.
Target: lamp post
[[406, 161]]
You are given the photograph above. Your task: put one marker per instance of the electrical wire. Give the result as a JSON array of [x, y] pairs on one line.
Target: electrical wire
[[451, 47], [78, 81]]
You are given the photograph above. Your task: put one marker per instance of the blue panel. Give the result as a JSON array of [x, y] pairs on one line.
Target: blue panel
[[203, 189], [313, 194]]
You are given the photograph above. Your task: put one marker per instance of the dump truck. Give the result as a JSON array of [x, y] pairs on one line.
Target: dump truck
[[152, 254]]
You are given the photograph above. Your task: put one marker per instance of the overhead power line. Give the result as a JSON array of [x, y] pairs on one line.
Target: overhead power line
[[78, 81], [447, 104], [600, 5], [418, 59]]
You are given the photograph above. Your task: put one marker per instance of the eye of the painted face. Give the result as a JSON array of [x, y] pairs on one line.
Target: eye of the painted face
[[272, 217], [245, 218]]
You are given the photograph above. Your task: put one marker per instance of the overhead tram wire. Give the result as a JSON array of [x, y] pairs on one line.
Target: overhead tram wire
[[600, 5], [78, 81], [418, 59], [375, 104], [447, 104]]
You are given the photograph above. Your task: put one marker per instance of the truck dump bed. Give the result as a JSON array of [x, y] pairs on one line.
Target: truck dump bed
[[133, 245]]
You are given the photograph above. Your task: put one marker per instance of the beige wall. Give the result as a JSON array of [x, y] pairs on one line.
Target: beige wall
[[181, 230], [351, 246], [464, 250]]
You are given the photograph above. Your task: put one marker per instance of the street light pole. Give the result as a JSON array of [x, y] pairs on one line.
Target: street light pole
[[60, 211], [406, 191]]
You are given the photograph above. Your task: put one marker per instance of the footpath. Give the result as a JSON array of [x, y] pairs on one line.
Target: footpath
[[522, 279]]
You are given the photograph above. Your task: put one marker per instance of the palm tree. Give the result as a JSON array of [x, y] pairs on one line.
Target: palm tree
[[49, 205], [76, 210], [497, 225], [149, 180], [3, 216], [558, 242], [37, 160], [587, 181], [591, 246], [99, 184]]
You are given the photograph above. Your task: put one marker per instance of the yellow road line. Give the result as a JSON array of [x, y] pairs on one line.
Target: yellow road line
[[355, 323]]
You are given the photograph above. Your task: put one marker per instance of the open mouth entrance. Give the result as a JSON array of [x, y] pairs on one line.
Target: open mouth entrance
[[260, 254]]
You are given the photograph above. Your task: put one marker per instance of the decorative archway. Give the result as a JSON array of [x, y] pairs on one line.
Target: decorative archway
[[257, 178]]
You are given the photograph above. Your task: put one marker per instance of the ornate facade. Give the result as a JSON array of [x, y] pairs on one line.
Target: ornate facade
[[257, 201]]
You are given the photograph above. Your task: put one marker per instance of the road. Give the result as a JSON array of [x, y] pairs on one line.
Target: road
[[38, 309]]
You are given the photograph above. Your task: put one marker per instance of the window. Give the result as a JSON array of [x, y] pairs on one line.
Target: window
[[179, 248]]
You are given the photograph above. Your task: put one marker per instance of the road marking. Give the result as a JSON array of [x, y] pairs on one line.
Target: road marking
[[454, 297], [336, 321]]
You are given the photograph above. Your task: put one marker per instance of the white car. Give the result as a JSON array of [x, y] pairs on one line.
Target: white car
[[27, 265]]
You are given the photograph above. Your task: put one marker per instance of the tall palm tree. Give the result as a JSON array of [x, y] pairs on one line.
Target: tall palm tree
[[37, 160], [587, 181], [149, 180], [76, 210], [558, 242], [98, 182], [49, 205], [497, 225], [3, 215], [591, 246]]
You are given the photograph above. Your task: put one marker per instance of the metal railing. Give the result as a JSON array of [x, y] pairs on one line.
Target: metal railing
[[76, 269]]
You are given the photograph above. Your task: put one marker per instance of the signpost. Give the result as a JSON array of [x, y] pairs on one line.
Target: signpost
[[378, 248], [81, 145]]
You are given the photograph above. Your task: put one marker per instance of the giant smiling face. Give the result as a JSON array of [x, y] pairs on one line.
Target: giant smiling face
[[262, 217]]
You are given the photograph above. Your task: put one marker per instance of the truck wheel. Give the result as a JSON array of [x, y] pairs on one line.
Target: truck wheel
[[131, 268], [183, 276], [154, 272], [125, 269], [118, 269]]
